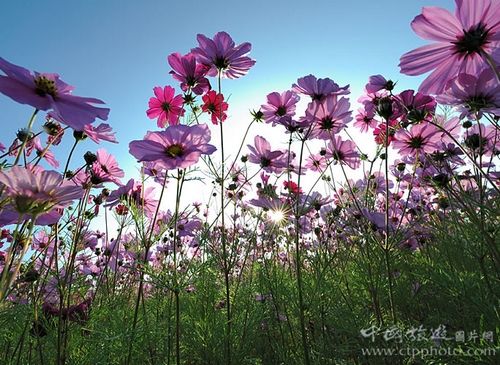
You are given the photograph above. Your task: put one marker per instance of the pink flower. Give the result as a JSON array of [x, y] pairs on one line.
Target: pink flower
[[45, 153], [46, 91], [379, 132], [421, 138], [461, 42], [318, 89], [365, 120], [222, 55], [103, 132], [177, 147], [190, 73], [415, 107], [316, 162], [105, 169], [166, 106], [214, 104], [279, 106], [270, 161], [473, 95], [33, 193], [133, 193], [329, 116], [343, 152]]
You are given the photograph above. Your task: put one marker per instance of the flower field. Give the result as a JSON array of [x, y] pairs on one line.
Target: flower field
[[368, 235]]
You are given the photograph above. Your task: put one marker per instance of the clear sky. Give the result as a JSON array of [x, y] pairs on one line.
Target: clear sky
[[116, 50]]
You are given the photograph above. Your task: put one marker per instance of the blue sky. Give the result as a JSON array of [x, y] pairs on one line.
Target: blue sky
[[116, 50]]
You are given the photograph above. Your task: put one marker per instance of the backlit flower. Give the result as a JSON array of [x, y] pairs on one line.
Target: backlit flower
[[165, 106], [222, 55], [46, 91], [190, 73], [177, 147], [214, 104], [461, 42], [279, 106]]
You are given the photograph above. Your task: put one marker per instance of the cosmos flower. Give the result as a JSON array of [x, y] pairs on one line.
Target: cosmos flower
[[44, 152], [415, 107], [421, 138], [103, 132], [177, 147], [34, 193], [165, 106], [46, 91], [377, 83], [343, 152], [214, 104], [379, 132], [461, 42], [318, 89], [365, 120], [222, 55], [270, 161], [189, 73], [328, 116], [473, 95], [105, 169], [279, 106], [133, 193]]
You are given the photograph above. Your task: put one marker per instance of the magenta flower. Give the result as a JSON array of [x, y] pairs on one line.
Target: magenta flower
[[166, 106], [215, 105], [45, 91], [222, 55], [318, 89], [177, 147], [279, 106], [270, 161], [461, 42], [473, 95], [421, 138], [103, 132], [343, 152], [329, 116], [33, 194], [105, 169], [190, 73]]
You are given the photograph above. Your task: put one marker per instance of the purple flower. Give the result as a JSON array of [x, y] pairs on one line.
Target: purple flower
[[473, 95], [177, 147], [318, 89], [461, 42], [270, 161], [415, 107], [377, 83], [343, 152], [46, 91], [36, 193], [279, 106], [190, 73], [329, 116], [222, 55], [421, 138]]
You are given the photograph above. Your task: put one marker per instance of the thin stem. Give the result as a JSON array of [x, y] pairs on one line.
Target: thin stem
[[23, 145]]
